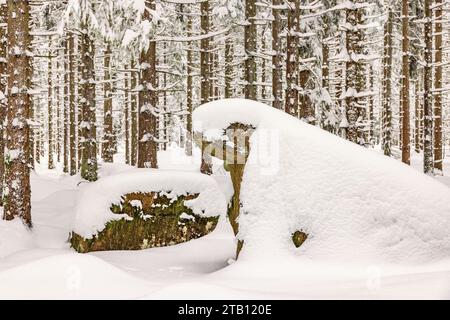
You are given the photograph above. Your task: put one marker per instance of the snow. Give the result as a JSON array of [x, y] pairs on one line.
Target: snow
[[352, 202], [94, 203], [14, 237], [41, 265]]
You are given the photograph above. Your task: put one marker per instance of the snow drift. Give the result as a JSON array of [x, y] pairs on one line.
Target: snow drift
[[14, 237], [352, 202], [94, 203]]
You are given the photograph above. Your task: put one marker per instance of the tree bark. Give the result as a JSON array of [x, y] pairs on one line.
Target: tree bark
[[277, 58], [406, 149], [387, 85], [108, 137], [250, 50], [88, 126], [204, 53], [293, 59], [17, 175], [427, 101], [147, 145], [438, 154], [3, 93]]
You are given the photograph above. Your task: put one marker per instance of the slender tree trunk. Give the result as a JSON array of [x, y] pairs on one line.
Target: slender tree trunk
[[127, 116], [250, 50], [88, 126], [51, 164], [292, 60], [406, 149], [17, 175], [72, 108], [229, 54], [354, 78], [108, 138], [427, 101], [3, 93], [277, 59], [204, 53], [417, 121], [134, 114], [189, 93], [66, 120], [387, 86], [148, 147], [438, 153]]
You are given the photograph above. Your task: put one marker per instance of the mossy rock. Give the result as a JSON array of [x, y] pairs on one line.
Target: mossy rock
[[158, 220]]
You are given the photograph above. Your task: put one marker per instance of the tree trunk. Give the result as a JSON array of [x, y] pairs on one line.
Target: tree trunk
[[438, 154], [229, 55], [189, 93], [354, 111], [277, 58], [250, 50], [204, 54], [147, 152], [134, 114], [427, 101], [292, 59], [3, 93], [17, 175], [66, 121], [108, 137], [406, 152], [127, 116], [88, 126], [387, 86], [51, 146], [72, 109]]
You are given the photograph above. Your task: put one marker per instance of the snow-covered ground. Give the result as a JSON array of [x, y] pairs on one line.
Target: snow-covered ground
[[42, 265]]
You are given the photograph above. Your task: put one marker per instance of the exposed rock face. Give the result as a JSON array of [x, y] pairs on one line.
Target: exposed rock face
[[156, 220]]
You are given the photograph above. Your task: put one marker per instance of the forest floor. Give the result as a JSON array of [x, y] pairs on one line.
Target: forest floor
[[46, 267]]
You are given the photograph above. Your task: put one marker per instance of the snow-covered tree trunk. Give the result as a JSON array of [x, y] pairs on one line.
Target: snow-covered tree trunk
[[204, 53], [250, 50], [88, 125], [406, 152], [127, 115], [277, 58], [427, 89], [66, 120], [438, 154], [229, 69], [3, 93], [134, 114], [387, 85], [292, 59], [51, 144], [108, 138], [17, 194], [72, 108], [355, 77], [189, 91], [147, 145]]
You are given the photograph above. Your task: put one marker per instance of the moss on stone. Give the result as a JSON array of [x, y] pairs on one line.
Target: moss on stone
[[157, 222]]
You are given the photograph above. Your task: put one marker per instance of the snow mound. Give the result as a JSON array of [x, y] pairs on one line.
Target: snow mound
[[94, 202], [14, 237], [352, 202], [69, 276]]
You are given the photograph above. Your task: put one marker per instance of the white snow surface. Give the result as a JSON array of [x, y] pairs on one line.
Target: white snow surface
[[94, 203], [14, 236], [46, 268], [352, 202]]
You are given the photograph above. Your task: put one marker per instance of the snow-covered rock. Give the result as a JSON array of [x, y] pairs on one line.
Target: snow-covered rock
[[94, 202], [353, 203]]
